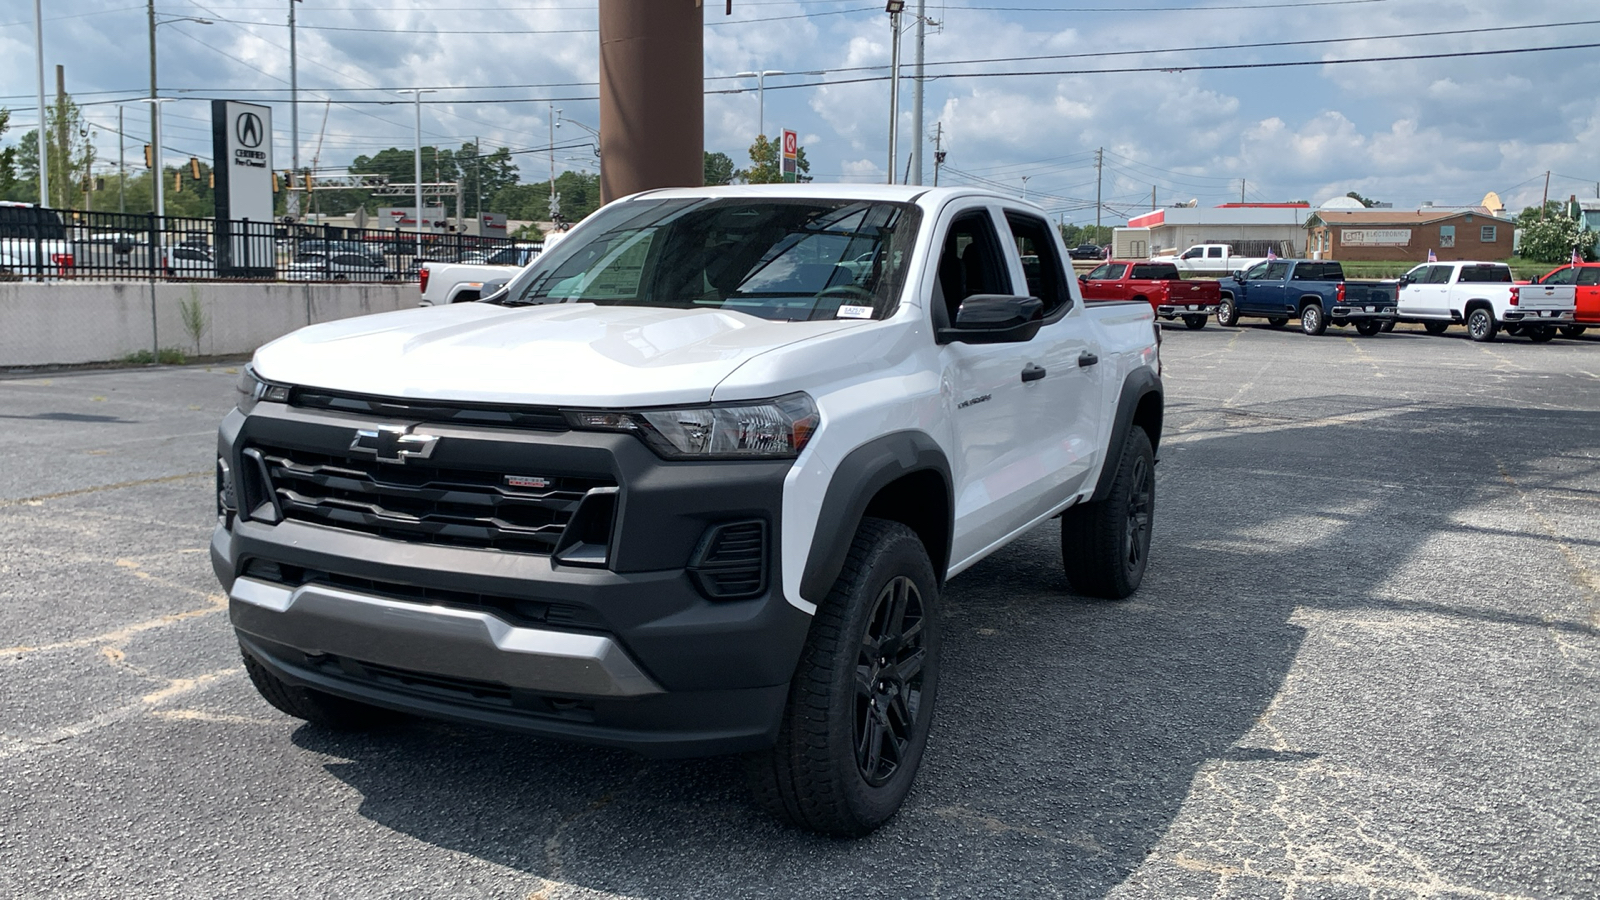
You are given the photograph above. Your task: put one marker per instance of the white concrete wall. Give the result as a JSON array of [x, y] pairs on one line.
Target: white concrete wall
[[63, 323]]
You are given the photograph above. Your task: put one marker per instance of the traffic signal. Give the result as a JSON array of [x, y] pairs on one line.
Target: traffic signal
[[308, 181], [274, 182], [194, 168], [177, 181], [288, 178], [211, 182], [99, 184], [148, 164]]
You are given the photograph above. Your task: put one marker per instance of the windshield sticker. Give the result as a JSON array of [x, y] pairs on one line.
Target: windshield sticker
[[853, 312]]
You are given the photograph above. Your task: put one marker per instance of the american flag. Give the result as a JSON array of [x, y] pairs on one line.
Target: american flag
[[1577, 258], [1270, 254], [1431, 257]]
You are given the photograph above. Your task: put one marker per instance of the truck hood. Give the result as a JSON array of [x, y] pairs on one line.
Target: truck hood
[[559, 354]]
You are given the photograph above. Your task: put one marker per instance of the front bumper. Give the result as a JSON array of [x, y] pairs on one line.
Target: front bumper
[[1186, 309], [632, 654], [1369, 311]]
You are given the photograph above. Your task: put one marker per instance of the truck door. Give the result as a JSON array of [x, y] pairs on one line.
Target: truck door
[[1430, 296], [1105, 282], [1254, 290]]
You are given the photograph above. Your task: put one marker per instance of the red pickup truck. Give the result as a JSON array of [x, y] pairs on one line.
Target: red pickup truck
[[1157, 283], [1586, 277]]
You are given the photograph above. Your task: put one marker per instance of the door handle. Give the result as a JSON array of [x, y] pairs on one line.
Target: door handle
[[1086, 359], [1031, 372]]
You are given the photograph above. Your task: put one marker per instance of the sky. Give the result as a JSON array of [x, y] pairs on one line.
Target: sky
[[1400, 129]]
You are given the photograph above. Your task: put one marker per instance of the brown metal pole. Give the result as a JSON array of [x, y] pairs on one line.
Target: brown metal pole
[[652, 101]]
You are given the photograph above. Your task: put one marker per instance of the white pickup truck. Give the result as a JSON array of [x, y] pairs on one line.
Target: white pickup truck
[[1485, 297], [690, 484], [444, 283], [1212, 259], [33, 242]]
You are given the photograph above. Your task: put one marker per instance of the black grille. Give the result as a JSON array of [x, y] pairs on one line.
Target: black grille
[[473, 692], [424, 504], [732, 561], [543, 418]]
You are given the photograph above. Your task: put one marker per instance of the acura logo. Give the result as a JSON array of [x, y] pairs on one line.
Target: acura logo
[[247, 128], [393, 444]]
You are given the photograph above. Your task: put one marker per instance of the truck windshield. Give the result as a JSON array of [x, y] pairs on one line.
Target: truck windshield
[[781, 259]]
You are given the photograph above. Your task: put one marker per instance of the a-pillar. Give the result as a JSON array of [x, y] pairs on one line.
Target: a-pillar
[[652, 96]]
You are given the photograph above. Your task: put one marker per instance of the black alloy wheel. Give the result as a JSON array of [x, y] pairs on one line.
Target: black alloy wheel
[[1540, 334], [1226, 314], [1194, 323], [1573, 330], [1369, 327], [889, 681]]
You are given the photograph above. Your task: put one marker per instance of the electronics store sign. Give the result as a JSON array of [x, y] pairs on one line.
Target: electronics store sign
[[1375, 237]]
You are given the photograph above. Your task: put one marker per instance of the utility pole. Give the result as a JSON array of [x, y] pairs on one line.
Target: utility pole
[[895, 7], [159, 204], [122, 169], [917, 94], [1542, 204], [938, 150], [1241, 190], [1152, 197], [291, 202], [1099, 163], [555, 199], [44, 149], [477, 183], [417, 161], [1025, 187], [61, 131]]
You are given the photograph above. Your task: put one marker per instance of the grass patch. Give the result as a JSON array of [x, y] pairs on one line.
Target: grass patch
[[168, 356]]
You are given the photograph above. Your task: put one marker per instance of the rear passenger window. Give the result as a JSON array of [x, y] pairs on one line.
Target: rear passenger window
[[1041, 264], [1589, 277]]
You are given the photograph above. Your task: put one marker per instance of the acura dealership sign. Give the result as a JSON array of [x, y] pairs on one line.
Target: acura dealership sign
[[241, 142]]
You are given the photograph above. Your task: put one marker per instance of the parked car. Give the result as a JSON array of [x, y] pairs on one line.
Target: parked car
[[1585, 279], [33, 242], [1212, 259], [688, 487], [1313, 291], [340, 266], [1156, 283], [188, 261], [1484, 296], [1087, 251], [443, 284]]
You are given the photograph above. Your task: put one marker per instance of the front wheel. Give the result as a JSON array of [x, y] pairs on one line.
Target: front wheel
[[311, 705], [1194, 323], [1312, 321], [1105, 545], [1540, 334], [1369, 327], [1278, 321], [1573, 330], [1435, 327], [1227, 315], [861, 701], [1481, 325]]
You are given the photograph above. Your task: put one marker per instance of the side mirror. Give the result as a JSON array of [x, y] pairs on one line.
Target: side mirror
[[489, 288], [1084, 278], [1238, 275], [1403, 281], [994, 319]]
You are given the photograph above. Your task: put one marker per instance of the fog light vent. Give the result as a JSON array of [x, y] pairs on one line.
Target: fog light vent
[[731, 563]]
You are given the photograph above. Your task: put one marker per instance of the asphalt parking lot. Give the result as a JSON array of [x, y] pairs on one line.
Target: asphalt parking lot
[[1364, 663]]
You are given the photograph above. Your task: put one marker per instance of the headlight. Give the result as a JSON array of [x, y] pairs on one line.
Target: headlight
[[758, 429], [250, 390]]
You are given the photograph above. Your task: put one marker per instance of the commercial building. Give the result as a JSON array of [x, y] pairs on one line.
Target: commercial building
[[1250, 227], [1392, 235]]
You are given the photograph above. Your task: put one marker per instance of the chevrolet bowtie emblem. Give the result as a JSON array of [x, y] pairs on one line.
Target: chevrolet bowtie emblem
[[394, 444]]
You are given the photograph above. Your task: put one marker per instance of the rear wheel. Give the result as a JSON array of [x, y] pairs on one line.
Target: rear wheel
[[1435, 327], [1573, 330], [861, 701], [1388, 326], [1369, 327], [1227, 315], [312, 705], [1312, 321], [1481, 325], [1194, 323], [1105, 545], [1278, 321], [1540, 334]]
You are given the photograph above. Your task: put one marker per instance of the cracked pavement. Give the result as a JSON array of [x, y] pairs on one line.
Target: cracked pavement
[[1364, 664]]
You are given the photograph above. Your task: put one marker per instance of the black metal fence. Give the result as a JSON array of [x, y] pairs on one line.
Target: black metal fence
[[39, 244]]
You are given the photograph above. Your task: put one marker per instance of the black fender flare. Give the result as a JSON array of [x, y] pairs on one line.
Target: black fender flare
[[1140, 383], [858, 478]]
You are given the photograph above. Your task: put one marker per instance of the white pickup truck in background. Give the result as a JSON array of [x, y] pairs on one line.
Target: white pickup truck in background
[[444, 283], [1485, 297], [33, 242], [1211, 259], [692, 483]]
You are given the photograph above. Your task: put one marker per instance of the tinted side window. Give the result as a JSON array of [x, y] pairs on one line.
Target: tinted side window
[[1276, 271], [1046, 278], [1568, 275], [1589, 277], [1105, 272], [1259, 270], [1439, 274], [1155, 272], [1485, 274], [1213, 252], [971, 262]]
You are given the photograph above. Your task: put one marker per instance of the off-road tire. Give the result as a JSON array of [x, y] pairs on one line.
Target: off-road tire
[[1194, 323], [1435, 327], [1540, 334], [314, 706], [1105, 545], [1278, 321], [1481, 326], [1369, 327], [1312, 321], [815, 776], [1227, 313], [1573, 330]]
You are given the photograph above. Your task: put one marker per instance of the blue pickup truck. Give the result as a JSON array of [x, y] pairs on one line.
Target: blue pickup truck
[[1313, 291]]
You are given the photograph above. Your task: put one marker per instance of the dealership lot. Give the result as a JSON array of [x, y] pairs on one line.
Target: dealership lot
[[1364, 662]]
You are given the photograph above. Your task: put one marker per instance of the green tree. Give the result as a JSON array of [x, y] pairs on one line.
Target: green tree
[[1532, 214], [1073, 235], [483, 176], [579, 196], [8, 156], [1368, 202], [1553, 239], [764, 163], [719, 169]]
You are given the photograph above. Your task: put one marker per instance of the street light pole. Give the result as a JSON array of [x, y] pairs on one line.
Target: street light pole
[[292, 200], [917, 92], [761, 96], [417, 160], [155, 105], [44, 149], [894, 8]]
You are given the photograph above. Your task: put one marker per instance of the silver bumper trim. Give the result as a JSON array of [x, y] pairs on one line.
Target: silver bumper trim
[[317, 618]]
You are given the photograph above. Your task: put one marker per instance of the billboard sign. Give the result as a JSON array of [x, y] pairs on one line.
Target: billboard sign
[[241, 146], [1375, 237], [791, 156]]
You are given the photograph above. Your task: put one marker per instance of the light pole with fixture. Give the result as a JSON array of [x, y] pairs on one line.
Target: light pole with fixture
[[417, 93], [155, 103], [761, 96], [292, 200], [894, 8], [44, 150]]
